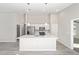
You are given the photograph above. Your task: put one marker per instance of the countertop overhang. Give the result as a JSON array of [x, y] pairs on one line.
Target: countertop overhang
[[33, 36]]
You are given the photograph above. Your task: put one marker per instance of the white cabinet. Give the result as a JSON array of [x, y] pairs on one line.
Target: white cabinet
[[38, 44], [47, 44], [28, 44]]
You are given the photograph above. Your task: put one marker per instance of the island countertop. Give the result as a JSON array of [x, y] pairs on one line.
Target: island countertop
[[37, 43], [34, 36]]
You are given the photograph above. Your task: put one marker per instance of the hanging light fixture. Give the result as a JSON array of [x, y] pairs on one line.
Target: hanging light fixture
[[28, 3], [45, 6], [46, 3]]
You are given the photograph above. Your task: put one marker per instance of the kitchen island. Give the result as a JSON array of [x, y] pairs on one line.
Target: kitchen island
[[37, 43]]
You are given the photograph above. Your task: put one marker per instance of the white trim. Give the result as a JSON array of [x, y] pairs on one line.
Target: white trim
[[37, 49], [72, 32], [72, 40]]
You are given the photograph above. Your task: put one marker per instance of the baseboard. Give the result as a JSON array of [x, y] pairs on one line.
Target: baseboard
[[8, 41], [37, 49]]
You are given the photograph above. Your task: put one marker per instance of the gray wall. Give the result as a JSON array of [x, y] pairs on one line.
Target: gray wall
[[64, 24], [7, 27]]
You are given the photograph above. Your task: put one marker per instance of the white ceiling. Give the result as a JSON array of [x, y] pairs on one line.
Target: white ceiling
[[36, 8]]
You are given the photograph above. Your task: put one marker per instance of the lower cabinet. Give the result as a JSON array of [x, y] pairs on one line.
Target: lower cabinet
[[37, 44]]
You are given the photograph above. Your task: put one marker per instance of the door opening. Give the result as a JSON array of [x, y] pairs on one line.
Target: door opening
[[75, 34]]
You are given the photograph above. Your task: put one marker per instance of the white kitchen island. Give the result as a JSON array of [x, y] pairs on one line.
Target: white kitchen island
[[37, 43]]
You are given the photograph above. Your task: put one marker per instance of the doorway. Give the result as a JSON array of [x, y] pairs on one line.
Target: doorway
[[75, 34]]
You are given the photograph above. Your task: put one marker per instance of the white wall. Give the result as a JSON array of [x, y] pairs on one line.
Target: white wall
[[8, 27], [20, 18], [64, 24], [54, 24], [38, 19]]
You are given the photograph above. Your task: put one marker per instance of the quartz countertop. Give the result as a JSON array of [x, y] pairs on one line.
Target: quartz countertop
[[34, 36]]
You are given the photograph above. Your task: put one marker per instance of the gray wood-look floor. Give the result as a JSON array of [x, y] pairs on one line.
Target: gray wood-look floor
[[12, 48], [76, 40]]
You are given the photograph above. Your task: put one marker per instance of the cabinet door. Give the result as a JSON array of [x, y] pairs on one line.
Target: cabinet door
[[38, 44], [28, 44], [47, 44]]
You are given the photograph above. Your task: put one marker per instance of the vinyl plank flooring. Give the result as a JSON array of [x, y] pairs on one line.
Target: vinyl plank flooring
[[76, 40], [9, 46], [12, 48], [76, 49]]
